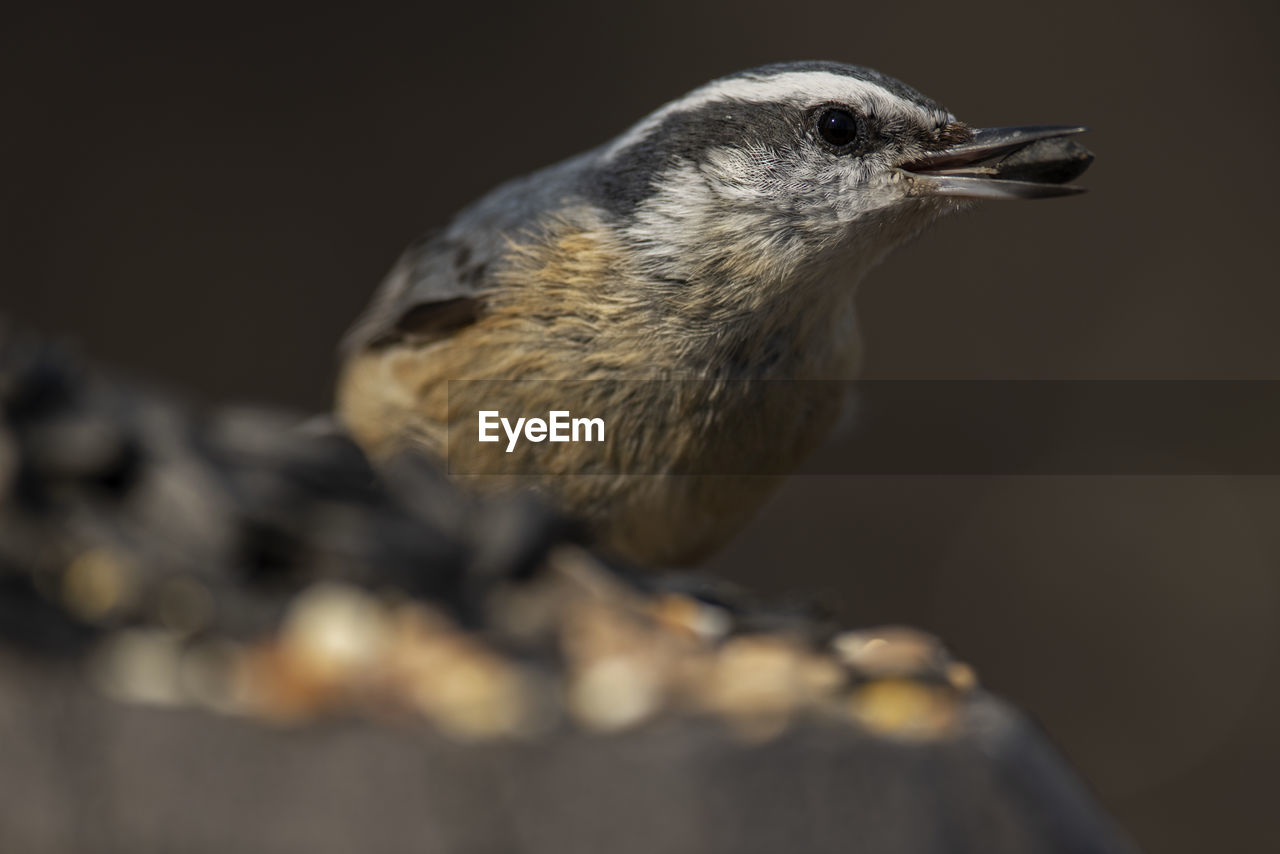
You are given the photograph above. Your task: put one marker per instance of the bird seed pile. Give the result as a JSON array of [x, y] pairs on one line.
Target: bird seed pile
[[241, 562]]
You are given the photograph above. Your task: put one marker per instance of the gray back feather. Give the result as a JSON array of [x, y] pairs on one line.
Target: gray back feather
[[439, 282]]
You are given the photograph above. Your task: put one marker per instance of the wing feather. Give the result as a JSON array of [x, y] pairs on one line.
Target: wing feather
[[439, 282]]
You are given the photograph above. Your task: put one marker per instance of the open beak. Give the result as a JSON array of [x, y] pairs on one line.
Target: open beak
[[1005, 163]]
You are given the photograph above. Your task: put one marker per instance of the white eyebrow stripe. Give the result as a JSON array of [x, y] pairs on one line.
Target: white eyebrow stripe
[[808, 87]]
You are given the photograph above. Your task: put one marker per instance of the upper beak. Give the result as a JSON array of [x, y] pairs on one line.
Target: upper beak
[[1005, 163]]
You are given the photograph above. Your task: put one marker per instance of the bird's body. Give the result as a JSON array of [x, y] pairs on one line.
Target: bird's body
[[685, 280]]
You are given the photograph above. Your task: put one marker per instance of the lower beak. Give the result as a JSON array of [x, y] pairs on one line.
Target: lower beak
[[1005, 163]]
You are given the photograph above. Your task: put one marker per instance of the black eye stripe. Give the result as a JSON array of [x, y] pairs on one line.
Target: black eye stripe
[[838, 127]]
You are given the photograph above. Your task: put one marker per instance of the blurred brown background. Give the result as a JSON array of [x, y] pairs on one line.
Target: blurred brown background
[[207, 200]]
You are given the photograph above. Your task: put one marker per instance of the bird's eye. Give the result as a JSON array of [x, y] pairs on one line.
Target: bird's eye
[[837, 127]]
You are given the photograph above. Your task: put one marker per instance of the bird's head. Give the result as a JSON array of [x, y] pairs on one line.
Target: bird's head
[[786, 173]]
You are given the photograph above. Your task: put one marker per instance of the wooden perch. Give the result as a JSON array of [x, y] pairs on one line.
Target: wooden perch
[[225, 632]]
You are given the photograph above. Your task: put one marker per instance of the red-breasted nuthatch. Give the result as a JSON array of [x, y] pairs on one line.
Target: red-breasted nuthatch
[[719, 240]]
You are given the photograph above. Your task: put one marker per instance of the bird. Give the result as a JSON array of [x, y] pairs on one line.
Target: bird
[[690, 283]]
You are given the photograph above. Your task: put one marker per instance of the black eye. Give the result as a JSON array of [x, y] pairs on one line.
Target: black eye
[[837, 127]]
